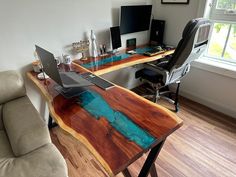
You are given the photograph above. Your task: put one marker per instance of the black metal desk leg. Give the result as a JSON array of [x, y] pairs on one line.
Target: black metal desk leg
[[50, 123], [153, 171], [152, 156], [126, 173]]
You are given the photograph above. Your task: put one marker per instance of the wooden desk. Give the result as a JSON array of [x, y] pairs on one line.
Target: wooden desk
[[138, 126], [103, 65]]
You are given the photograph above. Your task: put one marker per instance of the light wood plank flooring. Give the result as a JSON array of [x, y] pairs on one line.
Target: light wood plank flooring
[[204, 146]]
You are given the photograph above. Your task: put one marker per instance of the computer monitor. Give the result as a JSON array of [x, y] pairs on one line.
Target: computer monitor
[[115, 37], [135, 18]]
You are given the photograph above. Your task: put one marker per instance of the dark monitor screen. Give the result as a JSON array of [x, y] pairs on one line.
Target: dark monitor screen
[[135, 18], [115, 37]]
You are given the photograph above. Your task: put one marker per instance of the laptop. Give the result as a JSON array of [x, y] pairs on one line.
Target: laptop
[[64, 79]]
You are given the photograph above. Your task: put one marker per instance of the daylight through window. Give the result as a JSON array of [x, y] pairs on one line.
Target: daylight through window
[[223, 37]]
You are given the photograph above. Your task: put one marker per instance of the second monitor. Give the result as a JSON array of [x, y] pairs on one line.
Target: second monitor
[[115, 37]]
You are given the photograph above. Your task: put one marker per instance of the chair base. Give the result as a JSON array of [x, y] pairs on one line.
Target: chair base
[[165, 94]]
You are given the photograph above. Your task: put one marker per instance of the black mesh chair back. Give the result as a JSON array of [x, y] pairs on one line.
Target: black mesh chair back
[[192, 45]]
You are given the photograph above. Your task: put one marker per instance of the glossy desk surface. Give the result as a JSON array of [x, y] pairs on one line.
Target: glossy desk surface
[[106, 64], [116, 125]]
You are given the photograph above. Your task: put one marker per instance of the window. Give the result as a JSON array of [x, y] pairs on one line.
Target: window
[[222, 46], [226, 4]]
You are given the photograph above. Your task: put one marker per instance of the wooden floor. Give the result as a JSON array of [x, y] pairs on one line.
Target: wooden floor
[[204, 146]]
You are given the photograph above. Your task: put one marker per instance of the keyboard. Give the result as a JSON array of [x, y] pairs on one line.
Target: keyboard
[[105, 85], [153, 52]]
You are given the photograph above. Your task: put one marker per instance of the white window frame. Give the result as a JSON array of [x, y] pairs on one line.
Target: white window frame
[[221, 16]]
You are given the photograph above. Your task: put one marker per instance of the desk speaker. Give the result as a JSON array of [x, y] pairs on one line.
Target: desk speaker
[[157, 32]]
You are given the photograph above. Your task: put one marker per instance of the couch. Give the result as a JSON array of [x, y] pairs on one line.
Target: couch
[[26, 149]]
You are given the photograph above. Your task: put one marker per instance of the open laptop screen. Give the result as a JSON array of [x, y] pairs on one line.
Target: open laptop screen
[[49, 64]]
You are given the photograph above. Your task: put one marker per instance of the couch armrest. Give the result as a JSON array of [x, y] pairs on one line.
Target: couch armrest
[[11, 87], [1, 124], [24, 127], [43, 162]]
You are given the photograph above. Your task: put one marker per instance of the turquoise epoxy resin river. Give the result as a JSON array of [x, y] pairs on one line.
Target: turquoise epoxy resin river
[[114, 58], [93, 103]]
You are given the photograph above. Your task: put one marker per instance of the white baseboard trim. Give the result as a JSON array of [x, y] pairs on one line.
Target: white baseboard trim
[[218, 106]]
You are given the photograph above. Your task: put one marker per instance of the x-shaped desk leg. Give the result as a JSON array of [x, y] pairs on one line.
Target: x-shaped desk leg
[[149, 165]]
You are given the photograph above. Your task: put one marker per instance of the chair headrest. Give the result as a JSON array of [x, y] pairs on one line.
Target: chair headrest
[[193, 24], [185, 45]]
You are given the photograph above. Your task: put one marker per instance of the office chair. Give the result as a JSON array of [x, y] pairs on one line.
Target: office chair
[[171, 69]]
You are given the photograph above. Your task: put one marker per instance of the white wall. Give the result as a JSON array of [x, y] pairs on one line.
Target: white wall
[[54, 25], [51, 24], [176, 17], [211, 89]]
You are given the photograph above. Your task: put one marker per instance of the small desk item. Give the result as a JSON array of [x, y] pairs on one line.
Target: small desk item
[[42, 76], [81, 47], [131, 44], [131, 52], [116, 125]]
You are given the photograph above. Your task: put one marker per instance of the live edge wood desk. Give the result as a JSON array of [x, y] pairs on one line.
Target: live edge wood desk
[[116, 125], [106, 64]]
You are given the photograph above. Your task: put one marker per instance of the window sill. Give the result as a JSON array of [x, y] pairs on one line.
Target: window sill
[[219, 67]]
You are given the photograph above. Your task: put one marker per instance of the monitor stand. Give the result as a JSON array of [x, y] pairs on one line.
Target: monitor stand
[[69, 92]]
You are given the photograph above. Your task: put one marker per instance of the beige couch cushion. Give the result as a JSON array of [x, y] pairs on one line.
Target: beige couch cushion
[[11, 87], [5, 147], [1, 123], [24, 127], [43, 162]]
